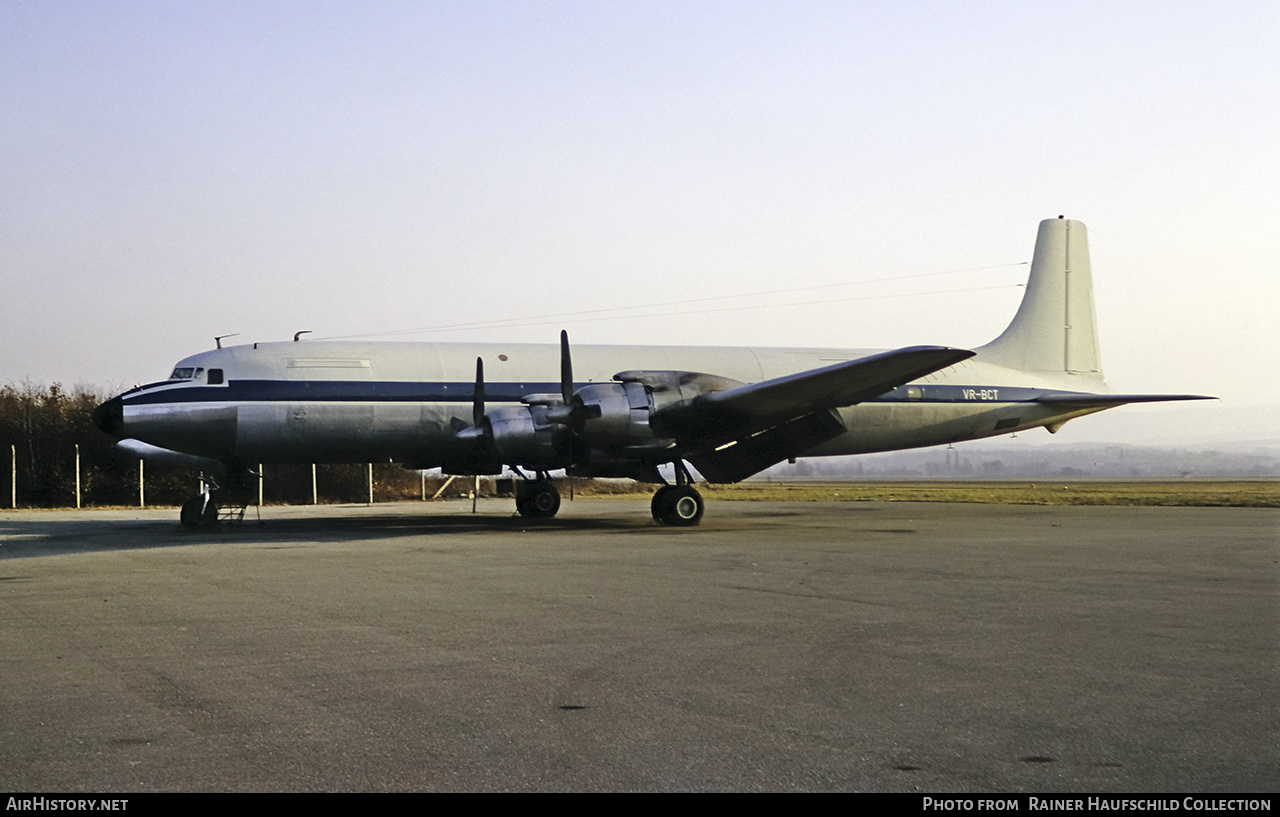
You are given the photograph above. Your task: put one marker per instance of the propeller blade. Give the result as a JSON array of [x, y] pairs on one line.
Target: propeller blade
[[477, 400], [566, 368]]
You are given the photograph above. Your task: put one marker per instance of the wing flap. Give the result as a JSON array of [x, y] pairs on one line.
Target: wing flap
[[738, 460]]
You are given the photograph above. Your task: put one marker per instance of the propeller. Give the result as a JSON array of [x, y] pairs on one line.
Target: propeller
[[477, 395], [571, 414], [566, 369], [567, 413], [477, 429], [513, 424]]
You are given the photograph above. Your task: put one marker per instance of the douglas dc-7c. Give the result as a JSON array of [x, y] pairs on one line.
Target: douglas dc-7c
[[471, 408]]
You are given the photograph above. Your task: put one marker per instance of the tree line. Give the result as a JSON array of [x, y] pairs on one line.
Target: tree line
[[42, 426]]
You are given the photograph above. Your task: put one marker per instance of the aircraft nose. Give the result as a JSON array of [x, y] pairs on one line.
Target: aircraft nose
[[110, 417]]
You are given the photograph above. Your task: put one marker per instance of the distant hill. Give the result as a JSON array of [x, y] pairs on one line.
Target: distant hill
[[981, 460], [1208, 423]]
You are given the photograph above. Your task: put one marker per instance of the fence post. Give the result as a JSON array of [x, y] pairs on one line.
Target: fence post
[[370, 483], [77, 476], [13, 476], [142, 493]]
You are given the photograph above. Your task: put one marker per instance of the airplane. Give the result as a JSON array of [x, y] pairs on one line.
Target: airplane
[[470, 408]]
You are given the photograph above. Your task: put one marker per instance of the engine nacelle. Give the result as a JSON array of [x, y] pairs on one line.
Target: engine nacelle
[[615, 414], [604, 430], [523, 436]]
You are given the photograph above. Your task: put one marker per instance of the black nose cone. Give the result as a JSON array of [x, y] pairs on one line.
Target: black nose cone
[[110, 417]]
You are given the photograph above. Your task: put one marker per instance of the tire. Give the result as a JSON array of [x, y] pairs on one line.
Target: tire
[[539, 500], [196, 513], [681, 506], [658, 505]]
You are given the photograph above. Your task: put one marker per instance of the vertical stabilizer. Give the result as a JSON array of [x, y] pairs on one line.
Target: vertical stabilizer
[[1055, 329]]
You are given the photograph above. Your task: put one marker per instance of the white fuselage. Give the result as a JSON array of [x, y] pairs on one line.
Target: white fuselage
[[317, 401]]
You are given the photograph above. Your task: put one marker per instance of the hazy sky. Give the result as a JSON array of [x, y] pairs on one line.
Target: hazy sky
[[174, 171]]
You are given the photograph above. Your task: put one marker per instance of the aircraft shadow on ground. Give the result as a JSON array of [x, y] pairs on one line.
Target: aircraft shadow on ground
[[29, 539]]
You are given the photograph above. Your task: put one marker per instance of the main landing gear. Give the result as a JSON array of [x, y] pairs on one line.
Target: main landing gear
[[537, 498], [674, 506], [679, 505]]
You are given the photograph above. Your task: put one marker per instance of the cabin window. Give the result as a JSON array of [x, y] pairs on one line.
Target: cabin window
[[915, 393], [215, 377]]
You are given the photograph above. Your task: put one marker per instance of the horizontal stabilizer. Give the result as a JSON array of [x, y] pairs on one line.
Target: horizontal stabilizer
[[842, 384], [1111, 400]]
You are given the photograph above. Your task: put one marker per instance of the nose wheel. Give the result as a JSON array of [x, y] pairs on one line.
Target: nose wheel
[[200, 511]]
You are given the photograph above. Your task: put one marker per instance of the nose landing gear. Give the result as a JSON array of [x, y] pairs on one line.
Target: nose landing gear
[[217, 503]]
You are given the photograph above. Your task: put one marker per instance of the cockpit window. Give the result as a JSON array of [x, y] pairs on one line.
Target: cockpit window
[[182, 373]]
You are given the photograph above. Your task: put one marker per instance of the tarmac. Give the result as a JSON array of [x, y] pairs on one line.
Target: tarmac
[[849, 646]]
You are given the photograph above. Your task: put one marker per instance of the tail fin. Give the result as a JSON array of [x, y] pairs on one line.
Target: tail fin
[[1055, 329]]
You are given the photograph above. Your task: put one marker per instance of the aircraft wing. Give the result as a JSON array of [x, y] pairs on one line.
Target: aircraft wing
[[841, 384], [736, 432]]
